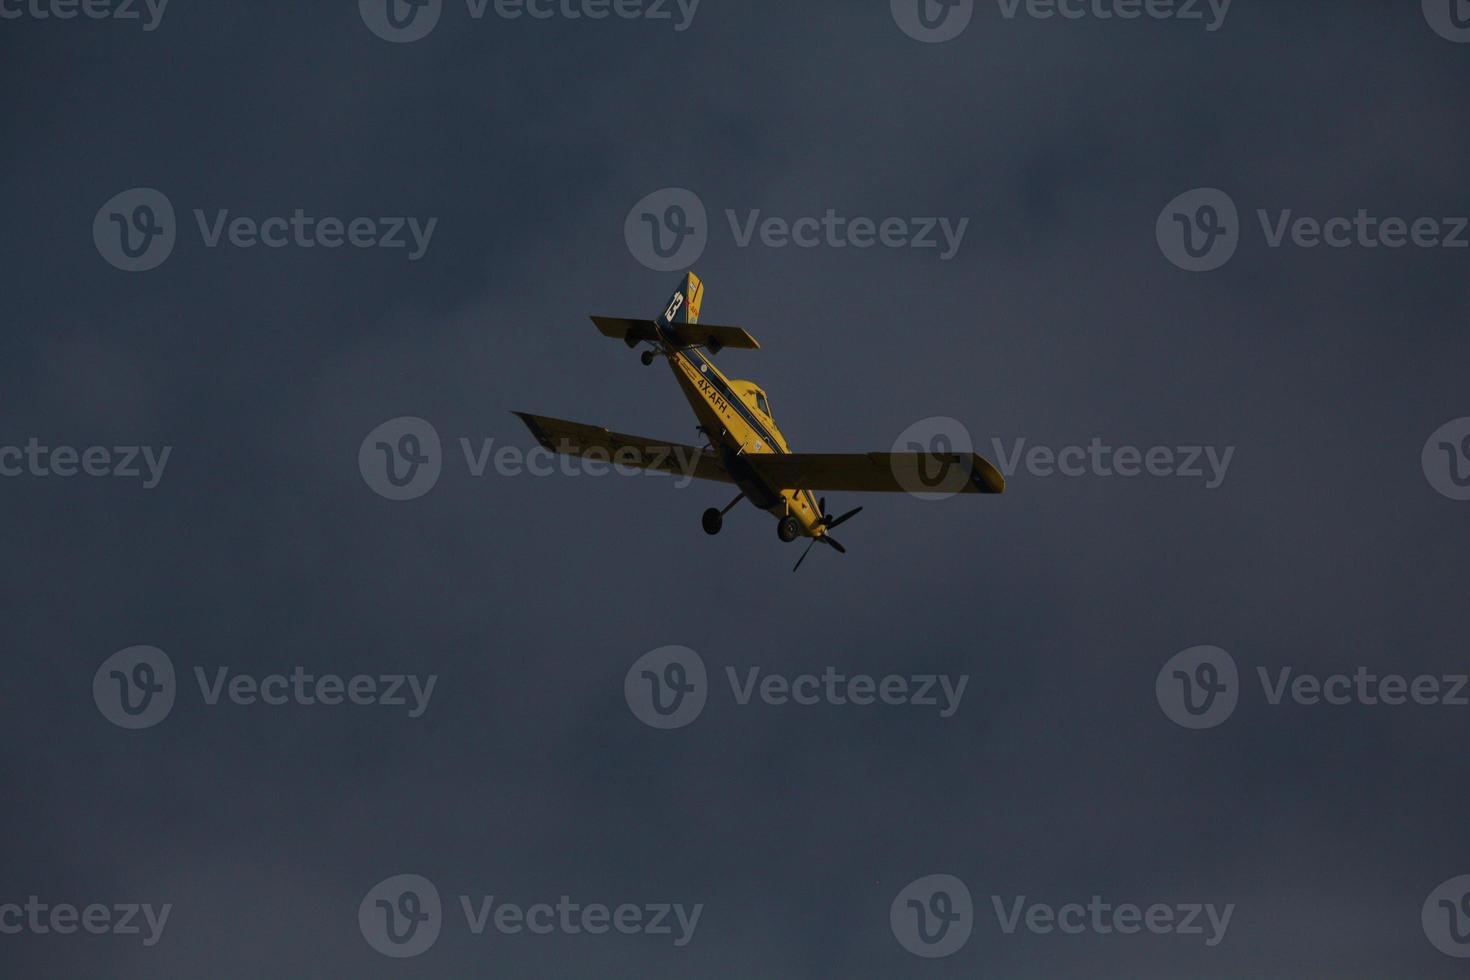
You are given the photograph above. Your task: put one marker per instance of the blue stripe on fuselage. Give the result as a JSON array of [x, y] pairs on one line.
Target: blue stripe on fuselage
[[717, 382]]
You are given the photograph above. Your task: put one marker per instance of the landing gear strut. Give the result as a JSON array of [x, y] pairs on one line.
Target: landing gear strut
[[787, 529], [714, 518]]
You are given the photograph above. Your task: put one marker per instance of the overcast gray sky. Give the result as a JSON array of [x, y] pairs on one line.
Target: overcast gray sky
[[1329, 541]]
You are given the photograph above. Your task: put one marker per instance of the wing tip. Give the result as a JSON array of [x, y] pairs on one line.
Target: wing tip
[[985, 477], [533, 423]]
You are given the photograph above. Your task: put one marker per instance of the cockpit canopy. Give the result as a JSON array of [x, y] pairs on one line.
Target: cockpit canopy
[[752, 395]]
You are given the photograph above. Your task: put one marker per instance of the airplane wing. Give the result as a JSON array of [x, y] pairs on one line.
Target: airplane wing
[[879, 472], [576, 439], [634, 332]]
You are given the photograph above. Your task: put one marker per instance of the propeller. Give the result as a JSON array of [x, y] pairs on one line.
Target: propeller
[[827, 522]]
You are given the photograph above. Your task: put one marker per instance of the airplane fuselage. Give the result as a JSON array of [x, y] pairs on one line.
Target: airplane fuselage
[[730, 416]]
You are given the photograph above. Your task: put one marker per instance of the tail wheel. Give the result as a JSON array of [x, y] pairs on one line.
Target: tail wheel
[[646, 357], [713, 520], [787, 529]]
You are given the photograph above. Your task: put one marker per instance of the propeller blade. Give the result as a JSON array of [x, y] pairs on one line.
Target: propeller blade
[[852, 513], [833, 542], [804, 554]]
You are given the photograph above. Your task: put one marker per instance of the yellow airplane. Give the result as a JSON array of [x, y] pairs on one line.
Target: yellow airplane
[[745, 447]]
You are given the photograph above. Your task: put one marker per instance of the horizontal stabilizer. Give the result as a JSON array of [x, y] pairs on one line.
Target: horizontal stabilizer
[[634, 332]]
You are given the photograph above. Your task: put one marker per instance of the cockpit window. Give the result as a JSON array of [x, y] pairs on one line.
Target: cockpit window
[[760, 403]]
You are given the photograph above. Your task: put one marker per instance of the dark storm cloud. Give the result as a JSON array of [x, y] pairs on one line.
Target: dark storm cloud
[[1057, 321]]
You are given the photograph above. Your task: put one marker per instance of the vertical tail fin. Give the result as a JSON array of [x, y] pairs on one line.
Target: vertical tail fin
[[683, 306]]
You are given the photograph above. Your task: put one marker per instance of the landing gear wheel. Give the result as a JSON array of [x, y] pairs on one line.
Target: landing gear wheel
[[788, 529], [713, 520], [646, 358]]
